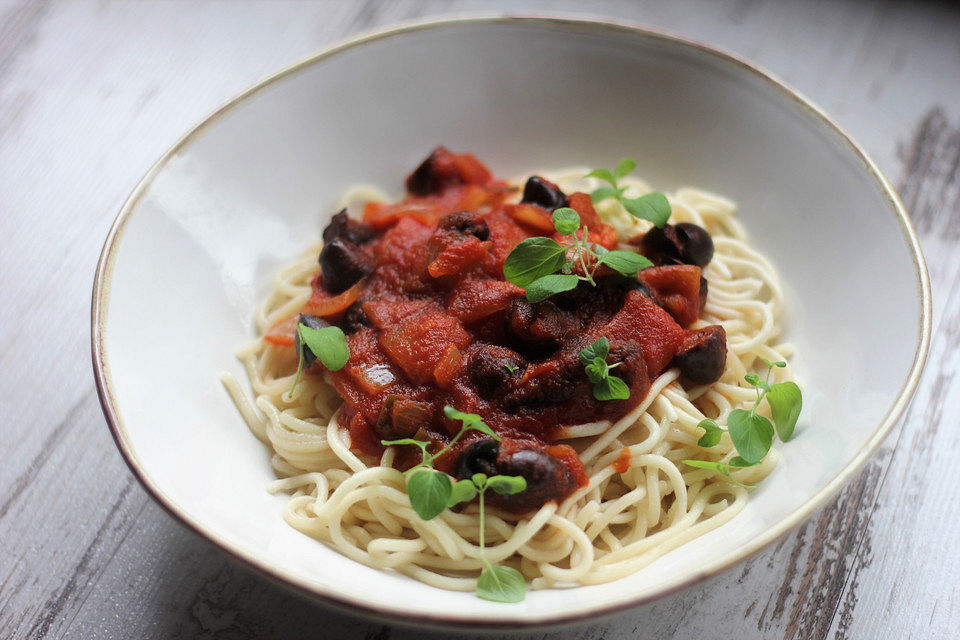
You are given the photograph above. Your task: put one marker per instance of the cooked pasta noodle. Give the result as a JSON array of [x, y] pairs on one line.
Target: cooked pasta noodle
[[617, 524]]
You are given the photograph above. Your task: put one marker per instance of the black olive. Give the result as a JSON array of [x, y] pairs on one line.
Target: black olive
[[478, 457], [314, 323], [696, 245], [704, 289], [543, 193], [343, 227], [703, 354], [343, 264], [425, 180], [491, 367], [464, 223], [684, 243], [547, 479]]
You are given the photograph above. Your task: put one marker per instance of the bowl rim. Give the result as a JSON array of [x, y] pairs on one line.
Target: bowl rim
[[394, 614]]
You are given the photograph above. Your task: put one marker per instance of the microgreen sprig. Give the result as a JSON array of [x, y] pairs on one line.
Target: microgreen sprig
[[751, 433], [534, 263], [605, 386], [496, 582], [327, 344], [430, 490], [653, 206]]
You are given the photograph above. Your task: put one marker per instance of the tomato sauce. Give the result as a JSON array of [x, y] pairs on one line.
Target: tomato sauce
[[435, 323]]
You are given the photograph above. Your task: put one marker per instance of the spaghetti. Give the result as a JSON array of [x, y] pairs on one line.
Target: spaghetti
[[640, 501]]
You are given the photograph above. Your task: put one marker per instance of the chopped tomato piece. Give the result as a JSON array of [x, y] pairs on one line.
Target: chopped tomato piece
[[383, 313], [568, 456], [476, 299], [656, 332], [678, 287], [324, 305], [281, 333], [533, 217], [505, 234], [419, 342], [458, 256], [449, 366]]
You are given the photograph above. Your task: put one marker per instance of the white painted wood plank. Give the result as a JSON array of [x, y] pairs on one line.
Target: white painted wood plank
[[91, 94]]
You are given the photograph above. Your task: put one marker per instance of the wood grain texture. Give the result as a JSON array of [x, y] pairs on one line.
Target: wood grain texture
[[91, 93]]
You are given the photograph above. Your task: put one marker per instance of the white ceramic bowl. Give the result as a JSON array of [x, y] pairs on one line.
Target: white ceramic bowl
[[193, 250]]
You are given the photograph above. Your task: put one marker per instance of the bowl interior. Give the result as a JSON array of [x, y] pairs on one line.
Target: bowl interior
[[254, 186]]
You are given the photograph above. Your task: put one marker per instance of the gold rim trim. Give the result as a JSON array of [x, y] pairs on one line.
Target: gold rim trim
[[101, 295]]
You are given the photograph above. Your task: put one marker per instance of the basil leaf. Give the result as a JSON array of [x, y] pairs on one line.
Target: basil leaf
[[785, 404], [601, 194], [546, 286], [599, 349], [507, 485], [479, 479], [624, 167], [603, 174], [713, 433], [566, 221], [469, 420], [532, 259], [611, 388], [501, 584], [429, 491], [462, 491], [653, 207], [329, 344], [752, 434], [626, 263], [756, 381]]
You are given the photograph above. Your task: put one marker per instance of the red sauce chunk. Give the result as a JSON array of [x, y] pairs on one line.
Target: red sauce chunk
[[418, 287]]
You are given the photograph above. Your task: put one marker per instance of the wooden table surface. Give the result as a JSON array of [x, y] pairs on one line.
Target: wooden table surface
[[91, 93]]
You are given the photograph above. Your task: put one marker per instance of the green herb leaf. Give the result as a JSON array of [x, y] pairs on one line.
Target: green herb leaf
[[601, 194], [737, 462], [626, 263], [501, 584], [597, 370], [419, 443], [624, 167], [532, 259], [429, 491], [713, 433], [752, 434], [462, 491], [507, 485], [756, 381], [771, 365], [479, 479], [511, 368], [469, 420], [599, 349], [719, 467], [546, 286], [653, 207], [785, 404], [329, 344], [566, 221], [603, 174], [611, 388]]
